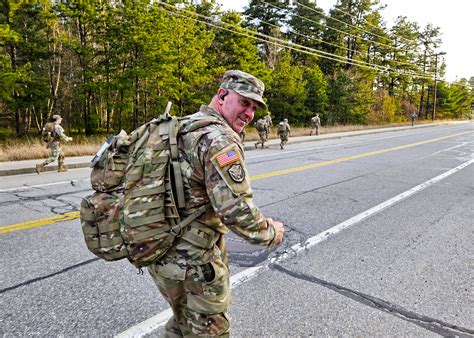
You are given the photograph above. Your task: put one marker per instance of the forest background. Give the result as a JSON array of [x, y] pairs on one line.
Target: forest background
[[106, 65]]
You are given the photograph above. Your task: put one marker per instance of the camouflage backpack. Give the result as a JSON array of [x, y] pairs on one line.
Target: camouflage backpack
[[260, 125], [281, 127], [137, 178], [47, 133]]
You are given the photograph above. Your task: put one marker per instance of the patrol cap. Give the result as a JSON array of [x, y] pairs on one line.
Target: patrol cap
[[244, 84], [56, 117]]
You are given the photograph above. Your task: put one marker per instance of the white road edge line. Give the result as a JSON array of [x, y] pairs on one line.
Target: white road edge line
[[43, 185], [153, 323]]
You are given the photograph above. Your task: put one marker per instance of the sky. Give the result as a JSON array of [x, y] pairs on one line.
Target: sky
[[452, 17]]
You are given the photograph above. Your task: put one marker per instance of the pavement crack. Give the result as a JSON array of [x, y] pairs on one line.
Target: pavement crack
[[316, 189], [37, 279], [431, 324]]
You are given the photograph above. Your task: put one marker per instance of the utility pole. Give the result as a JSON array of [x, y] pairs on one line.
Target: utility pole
[[433, 116]]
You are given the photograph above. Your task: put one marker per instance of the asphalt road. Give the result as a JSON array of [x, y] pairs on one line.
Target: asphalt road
[[379, 243]]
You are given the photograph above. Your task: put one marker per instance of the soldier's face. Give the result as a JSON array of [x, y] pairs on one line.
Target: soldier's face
[[238, 110]]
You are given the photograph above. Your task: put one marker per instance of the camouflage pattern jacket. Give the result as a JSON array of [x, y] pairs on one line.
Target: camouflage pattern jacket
[[214, 174], [59, 135]]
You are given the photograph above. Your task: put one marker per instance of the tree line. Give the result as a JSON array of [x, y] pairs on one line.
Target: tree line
[[106, 65]]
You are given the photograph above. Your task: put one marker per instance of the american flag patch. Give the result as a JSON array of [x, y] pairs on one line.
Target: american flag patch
[[227, 158]]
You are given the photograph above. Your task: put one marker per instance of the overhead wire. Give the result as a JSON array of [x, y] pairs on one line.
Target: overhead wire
[[335, 29], [326, 26], [361, 30], [325, 42], [283, 43], [368, 23], [351, 25], [296, 47], [343, 22]]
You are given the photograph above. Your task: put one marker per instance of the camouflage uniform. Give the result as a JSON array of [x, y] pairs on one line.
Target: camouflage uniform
[[315, 123], [268, 124], [283, 131], [193, 276], [242, 135], [55, 146], [413, 117], [262, 133]]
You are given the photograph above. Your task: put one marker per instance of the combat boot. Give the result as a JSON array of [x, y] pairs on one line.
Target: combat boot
[[62, 168], [39, 168]]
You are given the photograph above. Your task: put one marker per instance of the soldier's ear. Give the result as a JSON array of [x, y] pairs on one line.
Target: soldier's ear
[[223, 94]]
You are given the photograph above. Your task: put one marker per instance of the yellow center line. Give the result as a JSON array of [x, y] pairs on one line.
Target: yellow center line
[[39, 222], [347, 158], [75, 214]]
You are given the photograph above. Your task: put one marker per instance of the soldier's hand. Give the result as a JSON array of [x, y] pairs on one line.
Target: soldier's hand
[[279, 230]]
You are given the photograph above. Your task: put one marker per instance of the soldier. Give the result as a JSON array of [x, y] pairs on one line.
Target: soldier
[[193, 276], [413, 117], [283, 132], [262, 128], [315, 124], [54, 143], [269, 124], [242, 135]]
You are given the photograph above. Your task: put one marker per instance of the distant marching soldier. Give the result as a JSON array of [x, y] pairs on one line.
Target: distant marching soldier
[[269, 124], [53, 134], [283, 131], [413, 117], [261, 127], [315, 124], [242, 135]]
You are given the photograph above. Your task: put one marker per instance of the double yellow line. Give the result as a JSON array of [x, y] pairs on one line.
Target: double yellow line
[[75, 214], [39, 222], [349, 158]]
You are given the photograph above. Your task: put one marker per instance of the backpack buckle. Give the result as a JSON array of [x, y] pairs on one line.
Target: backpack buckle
[[176, 231]]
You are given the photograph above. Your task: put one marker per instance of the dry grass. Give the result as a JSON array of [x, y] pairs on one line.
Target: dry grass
[[29, 149]]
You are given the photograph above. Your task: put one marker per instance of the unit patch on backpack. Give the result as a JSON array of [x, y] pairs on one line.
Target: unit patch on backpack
[[134, 212]]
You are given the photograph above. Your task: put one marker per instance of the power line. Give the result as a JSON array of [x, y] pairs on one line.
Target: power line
[[335, 29], [325, 42], [307, 50], [368, 23], [343, 32], [346, 23], [327, 26], [286, 44]]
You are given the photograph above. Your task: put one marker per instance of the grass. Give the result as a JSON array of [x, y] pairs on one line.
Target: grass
[[29, 149]]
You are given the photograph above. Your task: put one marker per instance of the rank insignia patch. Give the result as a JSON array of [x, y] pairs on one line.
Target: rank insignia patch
[[237, 173], [227, 158]]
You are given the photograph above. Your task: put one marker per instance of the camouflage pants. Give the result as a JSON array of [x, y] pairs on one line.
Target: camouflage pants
[[316, 130], [56, 154], [200, 302], [263, 138], [283, 139]]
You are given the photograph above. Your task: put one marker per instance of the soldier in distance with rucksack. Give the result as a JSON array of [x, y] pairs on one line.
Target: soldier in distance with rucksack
[[262, 128], [269, 124], [315, 124], [283, 131], [53, 134], [139, 180]]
